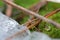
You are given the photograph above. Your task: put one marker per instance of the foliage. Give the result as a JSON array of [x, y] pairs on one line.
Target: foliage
[[52, 32], [1, 3]]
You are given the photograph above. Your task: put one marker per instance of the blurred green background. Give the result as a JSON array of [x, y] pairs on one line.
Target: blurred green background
[[51, 30]]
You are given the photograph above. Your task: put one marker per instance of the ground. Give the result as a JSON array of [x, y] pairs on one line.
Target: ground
[[52, 32]]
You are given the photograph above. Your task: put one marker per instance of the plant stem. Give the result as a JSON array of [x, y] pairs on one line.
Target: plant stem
[[35, 8], [9, 9], [47, 15], [32, 13]]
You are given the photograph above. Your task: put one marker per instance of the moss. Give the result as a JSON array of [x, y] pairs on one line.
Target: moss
[[53, 31], [1, 3], [25, 3]]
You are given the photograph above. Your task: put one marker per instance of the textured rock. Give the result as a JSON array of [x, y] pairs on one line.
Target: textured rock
[[9, 26]]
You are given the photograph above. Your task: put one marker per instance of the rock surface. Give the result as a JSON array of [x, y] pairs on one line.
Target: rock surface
[[9, 26]]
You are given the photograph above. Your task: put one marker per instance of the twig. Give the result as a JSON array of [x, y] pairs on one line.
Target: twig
[[9, 9], [32, 13], [29, 22], [47, 15], [35, 8], [16, 34]]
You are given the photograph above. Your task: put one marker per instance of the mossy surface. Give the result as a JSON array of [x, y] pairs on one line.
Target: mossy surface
[[1, 3], [49, 29]]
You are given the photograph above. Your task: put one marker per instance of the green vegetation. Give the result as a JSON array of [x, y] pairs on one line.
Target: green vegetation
[[50, 29], [1, 3], [26, 3]]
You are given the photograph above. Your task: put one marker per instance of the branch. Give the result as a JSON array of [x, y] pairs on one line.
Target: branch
[[9, 9], [32, 13], [35, 8], [47, 15]]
